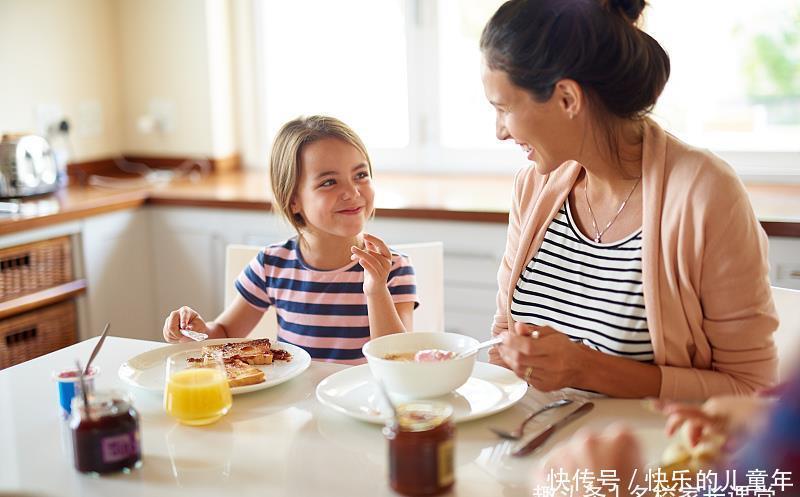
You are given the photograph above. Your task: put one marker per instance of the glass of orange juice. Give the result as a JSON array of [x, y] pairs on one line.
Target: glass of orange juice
[[196, 393]]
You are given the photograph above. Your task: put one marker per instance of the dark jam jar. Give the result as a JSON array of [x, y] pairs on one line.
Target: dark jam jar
[[107, 438], [421, 449]]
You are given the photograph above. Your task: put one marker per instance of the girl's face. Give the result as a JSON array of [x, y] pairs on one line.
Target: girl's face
[[334, 191], [543, 130]]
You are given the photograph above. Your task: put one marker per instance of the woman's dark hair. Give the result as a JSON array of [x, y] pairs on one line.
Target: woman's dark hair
[[593, 42]]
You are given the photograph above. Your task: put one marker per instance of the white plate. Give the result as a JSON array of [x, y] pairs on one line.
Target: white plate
[[147, 370], [490, 389]]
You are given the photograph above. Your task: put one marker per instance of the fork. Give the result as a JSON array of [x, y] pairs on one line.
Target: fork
[[516, 433]]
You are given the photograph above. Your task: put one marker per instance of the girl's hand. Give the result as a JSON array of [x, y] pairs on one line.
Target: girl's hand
[[376, 259], [184, 318], [542, 356], [733, 417]]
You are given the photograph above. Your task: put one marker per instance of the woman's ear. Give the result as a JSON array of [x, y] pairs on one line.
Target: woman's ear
[[570, 97]]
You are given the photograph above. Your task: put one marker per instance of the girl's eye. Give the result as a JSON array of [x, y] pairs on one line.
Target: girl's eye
[[362, 175], [328, 182]]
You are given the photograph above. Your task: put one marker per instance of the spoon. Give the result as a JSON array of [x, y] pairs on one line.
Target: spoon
[[517, 432], [83, 385], [194, 335], [97, 348], [482, 345]]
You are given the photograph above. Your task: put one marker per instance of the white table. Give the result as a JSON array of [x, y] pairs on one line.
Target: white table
[[278, 441]]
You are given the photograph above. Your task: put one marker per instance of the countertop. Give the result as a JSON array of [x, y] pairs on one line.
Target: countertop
[[432, 197]]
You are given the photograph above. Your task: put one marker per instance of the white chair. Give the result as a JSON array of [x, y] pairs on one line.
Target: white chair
[[787, 336], [428, 261], [236, 258]]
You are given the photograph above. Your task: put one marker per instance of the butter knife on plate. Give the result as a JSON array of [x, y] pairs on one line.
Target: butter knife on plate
[[526, 446]]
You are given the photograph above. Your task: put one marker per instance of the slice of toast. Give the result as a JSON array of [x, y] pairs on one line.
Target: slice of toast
[[240, 373], [252, 352]]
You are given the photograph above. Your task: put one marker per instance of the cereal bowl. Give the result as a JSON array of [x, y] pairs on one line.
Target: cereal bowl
[[419, 380]]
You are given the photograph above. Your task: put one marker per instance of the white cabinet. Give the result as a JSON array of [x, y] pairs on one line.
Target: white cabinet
[[187, 246], [118, 271], [784, 262]]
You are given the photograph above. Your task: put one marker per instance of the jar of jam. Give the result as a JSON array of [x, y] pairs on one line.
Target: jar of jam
[[421, 448], [106, 438]]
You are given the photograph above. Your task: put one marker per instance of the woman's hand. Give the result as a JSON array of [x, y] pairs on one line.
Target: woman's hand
[[376, 259], [184, 318], [542, 356], [615, 448]]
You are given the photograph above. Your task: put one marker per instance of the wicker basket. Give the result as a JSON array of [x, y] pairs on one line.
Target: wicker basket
[[37, 332], [34, 266]]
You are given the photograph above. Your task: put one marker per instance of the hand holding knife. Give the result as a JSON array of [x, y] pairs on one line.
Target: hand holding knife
[[529, 445]]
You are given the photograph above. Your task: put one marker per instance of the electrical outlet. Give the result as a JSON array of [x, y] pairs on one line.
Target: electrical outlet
[[90, 119], [48, 116], [162, 110]]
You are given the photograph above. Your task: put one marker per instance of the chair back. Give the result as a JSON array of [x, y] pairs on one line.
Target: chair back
[[428, 261], [787, 336], [236, 258]]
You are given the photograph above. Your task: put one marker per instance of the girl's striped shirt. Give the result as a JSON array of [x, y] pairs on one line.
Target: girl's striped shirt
[[590, 291], [324, 312]]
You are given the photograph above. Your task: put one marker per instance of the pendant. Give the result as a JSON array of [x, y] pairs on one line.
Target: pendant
[[597, 239]]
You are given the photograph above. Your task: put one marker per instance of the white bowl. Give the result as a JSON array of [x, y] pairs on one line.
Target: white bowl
[[419, 380]]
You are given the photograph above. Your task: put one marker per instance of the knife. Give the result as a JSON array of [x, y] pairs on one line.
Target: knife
[[529, 446]]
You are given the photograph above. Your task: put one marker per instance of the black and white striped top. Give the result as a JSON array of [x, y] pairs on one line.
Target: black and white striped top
[[590, 291]]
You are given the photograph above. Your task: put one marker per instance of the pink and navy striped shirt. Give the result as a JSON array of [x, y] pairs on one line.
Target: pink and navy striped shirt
[[324, 312]]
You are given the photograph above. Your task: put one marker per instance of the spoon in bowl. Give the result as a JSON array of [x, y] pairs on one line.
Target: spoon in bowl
[[436, 355]]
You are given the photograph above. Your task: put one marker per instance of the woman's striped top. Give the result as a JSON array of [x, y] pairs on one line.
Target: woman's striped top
[[324, 312], [590, 291]]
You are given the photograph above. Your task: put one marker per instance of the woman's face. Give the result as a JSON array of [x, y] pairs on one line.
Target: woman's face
[[334, 191], [543, 130]]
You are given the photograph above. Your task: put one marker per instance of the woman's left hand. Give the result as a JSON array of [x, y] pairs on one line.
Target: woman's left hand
[[376, 259], [542, 356]]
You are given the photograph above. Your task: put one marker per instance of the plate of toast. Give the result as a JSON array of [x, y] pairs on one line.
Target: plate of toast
[[250, 364]]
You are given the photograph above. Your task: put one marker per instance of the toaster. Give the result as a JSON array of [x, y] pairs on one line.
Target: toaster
[[27, 166]]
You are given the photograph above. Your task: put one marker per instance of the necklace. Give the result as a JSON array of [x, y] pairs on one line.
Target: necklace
[[597, 233]]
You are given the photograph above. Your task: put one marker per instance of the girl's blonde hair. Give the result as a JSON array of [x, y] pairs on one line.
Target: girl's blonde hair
[[284, 161]]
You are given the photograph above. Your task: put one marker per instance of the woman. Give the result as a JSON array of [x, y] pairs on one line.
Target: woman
[[634, 264]]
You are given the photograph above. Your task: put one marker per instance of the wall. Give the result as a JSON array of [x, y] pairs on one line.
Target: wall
[[61, 55], [105, 63]]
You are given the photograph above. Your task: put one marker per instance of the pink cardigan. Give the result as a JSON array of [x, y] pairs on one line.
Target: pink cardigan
[[704, 267]]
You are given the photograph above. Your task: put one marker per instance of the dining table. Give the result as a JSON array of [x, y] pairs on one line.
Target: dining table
[[279, 441]]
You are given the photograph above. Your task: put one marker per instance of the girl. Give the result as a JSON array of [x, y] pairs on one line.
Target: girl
[[334, 287]]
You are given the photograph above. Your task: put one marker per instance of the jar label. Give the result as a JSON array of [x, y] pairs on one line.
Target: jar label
[[119, 447], [445, 466]]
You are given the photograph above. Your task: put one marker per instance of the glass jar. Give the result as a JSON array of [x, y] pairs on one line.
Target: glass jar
[[421, 449], [106, 439]]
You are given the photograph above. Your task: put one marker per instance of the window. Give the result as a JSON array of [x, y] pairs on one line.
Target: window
[[405, 75]]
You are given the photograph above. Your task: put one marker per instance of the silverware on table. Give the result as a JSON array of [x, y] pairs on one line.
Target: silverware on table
[[97, 347], [517, 432], [526, 446]]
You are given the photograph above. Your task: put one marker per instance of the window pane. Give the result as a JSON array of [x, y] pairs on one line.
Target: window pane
[[467, 120], [735, 81], [346, 58]]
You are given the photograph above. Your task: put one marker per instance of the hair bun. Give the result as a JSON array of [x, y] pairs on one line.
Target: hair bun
[[630, 9]]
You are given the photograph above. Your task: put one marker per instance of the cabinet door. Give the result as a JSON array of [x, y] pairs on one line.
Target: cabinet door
[[784, 262], [117, 265]]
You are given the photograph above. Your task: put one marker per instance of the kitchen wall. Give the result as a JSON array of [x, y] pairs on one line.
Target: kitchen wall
[[106, 64]]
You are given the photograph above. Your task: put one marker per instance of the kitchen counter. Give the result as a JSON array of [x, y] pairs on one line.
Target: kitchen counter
[[435, 197]]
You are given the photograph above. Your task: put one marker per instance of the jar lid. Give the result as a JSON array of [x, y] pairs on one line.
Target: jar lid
[[423, 415], [103, 403]]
